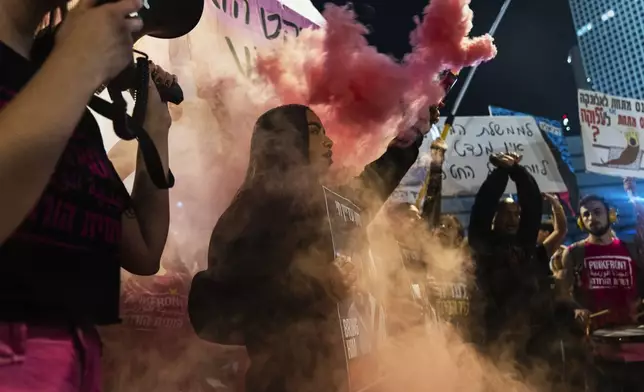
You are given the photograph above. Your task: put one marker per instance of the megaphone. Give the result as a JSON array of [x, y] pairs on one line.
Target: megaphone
[[164, 19], [168, 19]]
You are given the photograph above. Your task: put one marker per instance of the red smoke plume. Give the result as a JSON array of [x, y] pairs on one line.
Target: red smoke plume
[[363, 96]]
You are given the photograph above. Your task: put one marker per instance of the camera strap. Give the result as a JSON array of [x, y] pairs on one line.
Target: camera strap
[[127, 128]]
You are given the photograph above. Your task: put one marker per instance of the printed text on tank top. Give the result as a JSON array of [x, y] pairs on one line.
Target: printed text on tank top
[[72, 233], [81, 206], [609, 281]]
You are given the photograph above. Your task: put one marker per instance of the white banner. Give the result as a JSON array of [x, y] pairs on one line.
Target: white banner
[[611, 132], [471, 141]]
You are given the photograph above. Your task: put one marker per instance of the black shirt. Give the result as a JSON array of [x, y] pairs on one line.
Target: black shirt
[[61, 263]]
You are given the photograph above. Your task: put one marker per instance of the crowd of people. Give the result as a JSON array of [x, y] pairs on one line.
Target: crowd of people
[[275, 276]]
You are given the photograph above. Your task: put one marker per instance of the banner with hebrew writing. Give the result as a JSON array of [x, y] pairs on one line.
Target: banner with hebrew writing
[[611, 130], [553, 131], [242, 26], [361, 317], [472, 140]]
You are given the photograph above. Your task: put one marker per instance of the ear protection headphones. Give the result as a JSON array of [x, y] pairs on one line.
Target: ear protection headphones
[[613, 216]]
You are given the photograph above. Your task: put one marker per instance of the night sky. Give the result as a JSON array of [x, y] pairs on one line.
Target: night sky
[[530, 74]]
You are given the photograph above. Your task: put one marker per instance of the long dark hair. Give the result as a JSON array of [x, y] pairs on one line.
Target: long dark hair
[[272, 206], [279, 145]]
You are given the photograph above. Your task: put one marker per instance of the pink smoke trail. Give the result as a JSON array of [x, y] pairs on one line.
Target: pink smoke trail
[[363, 96]]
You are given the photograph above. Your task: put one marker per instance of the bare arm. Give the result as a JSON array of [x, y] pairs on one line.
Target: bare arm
[[145, 224], [381, 177], [556, 238], [567, 276], [530, 202], [36, 126], [431, 210], [485, 207]]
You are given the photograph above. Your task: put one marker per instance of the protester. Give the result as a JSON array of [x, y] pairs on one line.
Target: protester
[[271, 282], [605, 278], [68, 223], [448, 267], [411, 230], [514, 296], [597, 218]]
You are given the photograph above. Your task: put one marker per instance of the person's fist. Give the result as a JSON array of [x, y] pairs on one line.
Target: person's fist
[[505, 160], [583, 316]]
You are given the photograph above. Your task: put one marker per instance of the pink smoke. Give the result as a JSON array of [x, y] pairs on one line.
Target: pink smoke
[[363, 96], [441, 39]]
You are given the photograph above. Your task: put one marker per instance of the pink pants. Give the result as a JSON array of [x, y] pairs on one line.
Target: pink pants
[[49, 359]]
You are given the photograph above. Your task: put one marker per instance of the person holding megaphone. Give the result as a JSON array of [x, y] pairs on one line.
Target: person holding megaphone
[[67, 222]]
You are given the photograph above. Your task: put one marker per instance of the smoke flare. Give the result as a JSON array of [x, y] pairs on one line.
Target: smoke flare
[[365, 97]]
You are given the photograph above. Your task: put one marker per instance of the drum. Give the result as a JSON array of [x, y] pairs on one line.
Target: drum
[[619, 344]]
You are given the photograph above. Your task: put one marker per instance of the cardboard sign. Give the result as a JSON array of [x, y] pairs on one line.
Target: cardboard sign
[[611, 130], [471, 142]]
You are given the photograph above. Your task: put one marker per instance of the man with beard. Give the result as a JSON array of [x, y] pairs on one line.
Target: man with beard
[[605, 278]]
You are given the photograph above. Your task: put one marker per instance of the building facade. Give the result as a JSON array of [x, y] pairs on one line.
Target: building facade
[[611, 43]]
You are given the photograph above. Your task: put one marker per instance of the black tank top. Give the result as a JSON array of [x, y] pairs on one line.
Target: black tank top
[[61, 263]]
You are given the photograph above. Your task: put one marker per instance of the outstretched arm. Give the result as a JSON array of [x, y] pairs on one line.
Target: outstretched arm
[[556, 238], [381, 177], [531, 206], [485, 206], [431, 210]]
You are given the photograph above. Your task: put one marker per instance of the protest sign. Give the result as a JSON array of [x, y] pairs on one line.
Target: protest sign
[[242, 26], [611, 132], [472, 140], [553, 131], [361, 317]]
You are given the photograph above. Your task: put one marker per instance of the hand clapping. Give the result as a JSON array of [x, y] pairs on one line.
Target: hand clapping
[[505, 160]]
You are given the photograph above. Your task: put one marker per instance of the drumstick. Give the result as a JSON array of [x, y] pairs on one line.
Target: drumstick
[[600, 313], [592, 316]]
